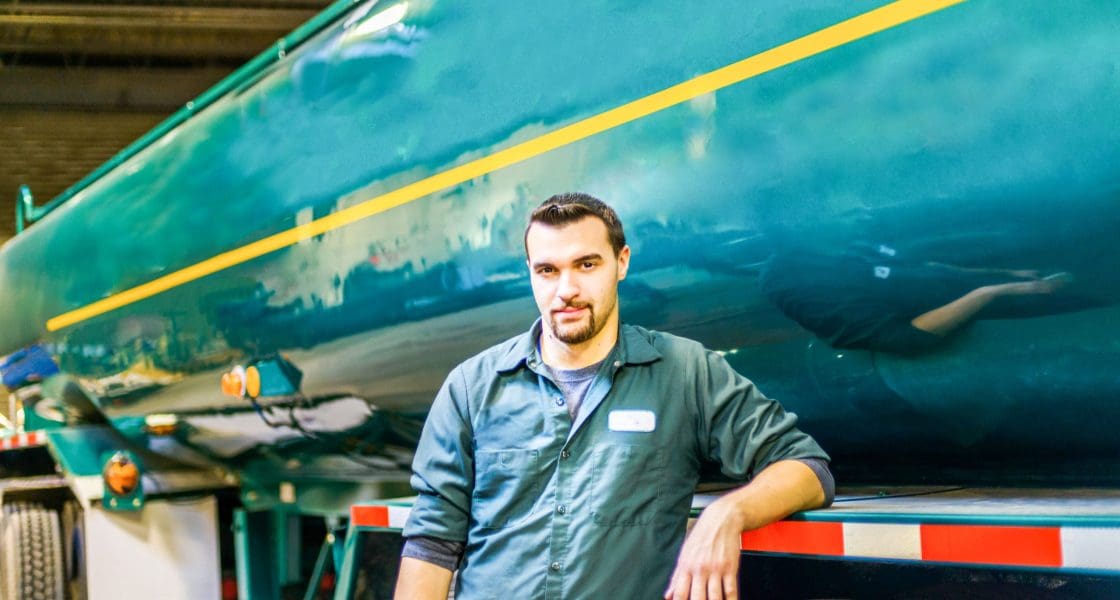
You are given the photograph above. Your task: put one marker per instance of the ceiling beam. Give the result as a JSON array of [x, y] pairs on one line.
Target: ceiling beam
[[144, 31], [139, 44], [153, 17], [105, 88]]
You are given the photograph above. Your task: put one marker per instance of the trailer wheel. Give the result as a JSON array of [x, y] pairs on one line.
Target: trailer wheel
[[74, 545], [31, 553]]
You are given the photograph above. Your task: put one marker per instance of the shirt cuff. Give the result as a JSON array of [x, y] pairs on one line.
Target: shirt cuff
[[442, 553], [828, 483]]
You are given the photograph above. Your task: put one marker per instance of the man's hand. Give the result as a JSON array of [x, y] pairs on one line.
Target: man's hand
[[708, 565]]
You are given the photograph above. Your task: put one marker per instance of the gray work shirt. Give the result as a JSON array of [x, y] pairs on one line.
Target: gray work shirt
[[552, 508]]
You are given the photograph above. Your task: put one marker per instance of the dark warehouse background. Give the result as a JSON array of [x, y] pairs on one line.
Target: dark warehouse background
[[80, 80]]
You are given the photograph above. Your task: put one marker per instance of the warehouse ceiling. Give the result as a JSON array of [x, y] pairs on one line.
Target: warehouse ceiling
[[81, 80]]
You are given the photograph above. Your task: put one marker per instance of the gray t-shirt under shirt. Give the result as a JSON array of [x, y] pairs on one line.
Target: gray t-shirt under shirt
[[574, 384]]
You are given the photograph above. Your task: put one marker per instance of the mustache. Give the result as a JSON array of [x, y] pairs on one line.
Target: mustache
[[573, 305]]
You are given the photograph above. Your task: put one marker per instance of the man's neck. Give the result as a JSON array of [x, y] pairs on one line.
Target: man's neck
[[561, 355]]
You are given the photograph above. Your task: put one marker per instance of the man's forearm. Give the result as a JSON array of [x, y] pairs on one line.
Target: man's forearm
[[709, 559], [420, 580], [946, 318], [779, 490]]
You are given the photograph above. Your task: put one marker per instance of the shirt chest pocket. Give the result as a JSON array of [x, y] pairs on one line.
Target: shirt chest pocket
[[507, 485], [626, 484]]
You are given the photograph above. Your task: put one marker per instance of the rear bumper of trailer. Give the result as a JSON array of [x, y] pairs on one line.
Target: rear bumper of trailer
[[885, 542]]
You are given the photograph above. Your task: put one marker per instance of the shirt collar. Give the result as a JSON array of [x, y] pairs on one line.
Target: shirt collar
[[633, 348]]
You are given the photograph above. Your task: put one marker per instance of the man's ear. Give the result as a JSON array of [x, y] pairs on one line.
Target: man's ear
[[623, 262]]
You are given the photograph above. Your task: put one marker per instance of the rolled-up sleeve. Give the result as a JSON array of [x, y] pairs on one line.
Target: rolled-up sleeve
[[443, 468], [742, 430]]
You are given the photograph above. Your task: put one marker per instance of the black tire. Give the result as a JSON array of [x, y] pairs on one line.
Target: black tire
[[31, 566], [73, 550]]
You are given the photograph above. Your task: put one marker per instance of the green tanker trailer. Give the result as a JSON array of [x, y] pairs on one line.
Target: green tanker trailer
[[242, 318]]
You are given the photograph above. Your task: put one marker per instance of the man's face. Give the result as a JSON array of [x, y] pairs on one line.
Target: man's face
[[575, 276]]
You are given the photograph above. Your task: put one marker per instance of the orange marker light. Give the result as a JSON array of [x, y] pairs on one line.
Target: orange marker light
[[121, 475], [253, 382], [233, 383]]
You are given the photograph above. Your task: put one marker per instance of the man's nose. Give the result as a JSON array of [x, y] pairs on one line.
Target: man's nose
[[568, 287]]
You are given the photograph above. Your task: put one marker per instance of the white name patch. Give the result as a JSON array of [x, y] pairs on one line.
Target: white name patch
[[632, 420]]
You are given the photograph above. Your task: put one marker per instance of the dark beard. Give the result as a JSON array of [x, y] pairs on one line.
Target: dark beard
[[580, 335]]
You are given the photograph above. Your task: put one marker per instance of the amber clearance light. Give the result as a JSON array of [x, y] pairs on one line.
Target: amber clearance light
[[161, 424], [121, 475], [241, 382]]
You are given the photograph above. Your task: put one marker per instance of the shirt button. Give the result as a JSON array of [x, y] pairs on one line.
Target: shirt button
[[562, 509], [617, 364], [559, 401], [554, 566], [564, 454]]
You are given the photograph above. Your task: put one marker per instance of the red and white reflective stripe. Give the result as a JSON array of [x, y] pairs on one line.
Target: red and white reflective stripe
[[23, 440], [1007, 545], [1004, 545], [392, 517]]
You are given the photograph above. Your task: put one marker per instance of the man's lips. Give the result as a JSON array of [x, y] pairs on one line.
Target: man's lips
[[569, 310]]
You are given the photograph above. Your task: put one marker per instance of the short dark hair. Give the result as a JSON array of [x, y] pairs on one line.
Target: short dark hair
[[567, 208]]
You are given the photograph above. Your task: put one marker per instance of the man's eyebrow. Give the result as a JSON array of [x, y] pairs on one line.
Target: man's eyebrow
[[588, 257], [541, 263]]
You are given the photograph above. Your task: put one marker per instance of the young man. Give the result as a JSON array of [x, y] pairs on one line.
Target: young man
[[561, 463]]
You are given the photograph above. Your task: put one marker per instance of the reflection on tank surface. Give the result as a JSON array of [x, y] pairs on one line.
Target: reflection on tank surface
[[871, 297]]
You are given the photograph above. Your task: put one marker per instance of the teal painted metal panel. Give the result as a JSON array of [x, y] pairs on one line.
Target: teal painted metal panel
[[257, 571], [78, 450], [963, 138]]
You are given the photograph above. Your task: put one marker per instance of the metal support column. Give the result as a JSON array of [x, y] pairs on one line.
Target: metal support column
[[288, 547], [254, 541]]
